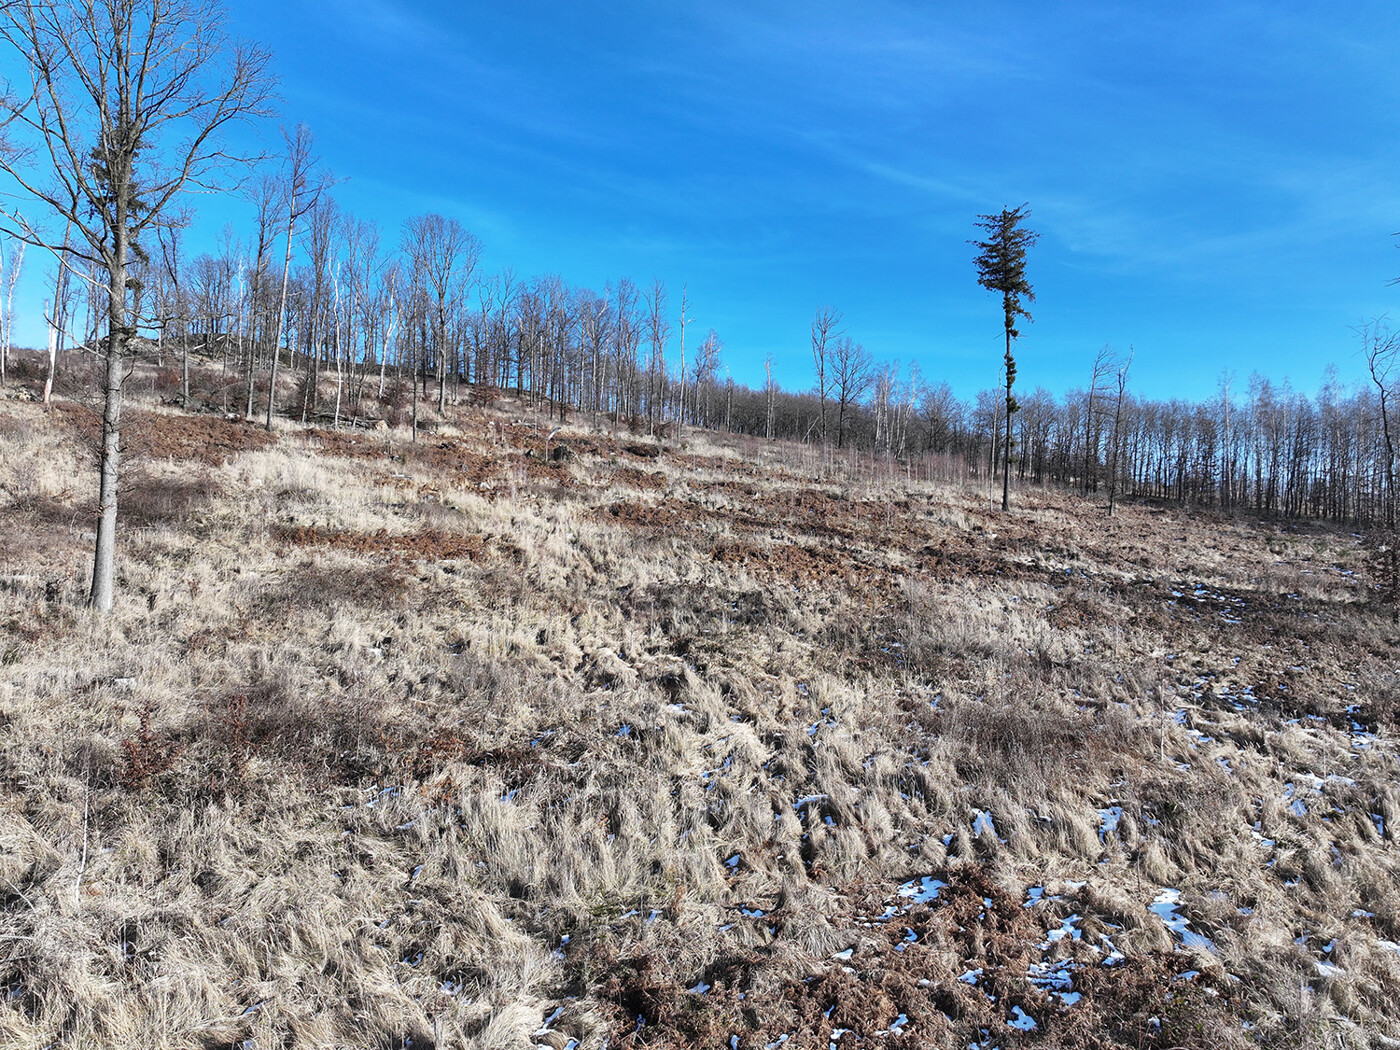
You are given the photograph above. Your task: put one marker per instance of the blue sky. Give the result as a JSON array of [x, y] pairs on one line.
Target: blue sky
[[1215, 183]]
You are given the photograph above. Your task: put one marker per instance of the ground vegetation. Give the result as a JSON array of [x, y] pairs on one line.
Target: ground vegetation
[[533, 732]]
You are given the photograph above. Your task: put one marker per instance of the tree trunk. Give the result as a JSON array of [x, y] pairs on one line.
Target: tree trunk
[[103, 590], [1006, 449], [55, 333], [281, 313], [442, 360]]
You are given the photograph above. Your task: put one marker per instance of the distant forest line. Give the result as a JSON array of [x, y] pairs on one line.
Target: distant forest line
[[415, 325]]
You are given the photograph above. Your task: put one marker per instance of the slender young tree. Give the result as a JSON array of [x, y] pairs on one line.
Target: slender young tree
[[770, 397], [302, 187], [850, 379], [265, 196], [1105, 362], [57, 319], [1381, 347], [120, 104], [685, 320], [1001, 267], [1120, 378], [11, 263], [176, 306], [658, 331], [824, 332]]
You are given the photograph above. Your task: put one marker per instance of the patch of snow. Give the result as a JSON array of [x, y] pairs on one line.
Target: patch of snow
[[1021, 1020], [1164, 906], [1051, 976], [1109, 819], [982, 822], [544, 1028], [1068, 928], [921, 891]]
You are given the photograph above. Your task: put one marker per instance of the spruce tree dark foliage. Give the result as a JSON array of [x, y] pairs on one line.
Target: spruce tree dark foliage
[[1001, 267]]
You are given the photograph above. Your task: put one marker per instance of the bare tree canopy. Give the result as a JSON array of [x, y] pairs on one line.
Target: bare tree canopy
[[443, 256], [124, 107]]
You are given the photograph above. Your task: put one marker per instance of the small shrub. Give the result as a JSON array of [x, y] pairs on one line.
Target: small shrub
[[148, 754]]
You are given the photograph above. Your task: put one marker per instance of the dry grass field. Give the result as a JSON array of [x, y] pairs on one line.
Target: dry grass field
[[696, 743]]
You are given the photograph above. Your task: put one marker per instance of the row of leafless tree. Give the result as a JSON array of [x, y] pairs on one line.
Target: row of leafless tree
[[364, 321]]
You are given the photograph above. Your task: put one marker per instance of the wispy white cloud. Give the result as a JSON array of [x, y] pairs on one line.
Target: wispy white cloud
[[388, 23]]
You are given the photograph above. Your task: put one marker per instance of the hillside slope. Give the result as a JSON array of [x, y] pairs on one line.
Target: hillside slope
[[690, 743]]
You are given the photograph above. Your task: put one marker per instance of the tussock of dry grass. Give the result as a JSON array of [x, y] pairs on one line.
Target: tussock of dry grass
[[451, 745]]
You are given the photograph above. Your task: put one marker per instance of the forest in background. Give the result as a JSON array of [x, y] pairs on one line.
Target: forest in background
[[404, 329]]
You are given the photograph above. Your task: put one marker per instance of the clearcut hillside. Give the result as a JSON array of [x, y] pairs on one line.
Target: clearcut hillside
[[491, 740]]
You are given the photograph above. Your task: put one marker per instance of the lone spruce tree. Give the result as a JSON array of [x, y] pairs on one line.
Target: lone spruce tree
[[1001, 267]]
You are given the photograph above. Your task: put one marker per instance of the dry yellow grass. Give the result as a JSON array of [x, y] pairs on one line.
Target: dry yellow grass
[[449, 745]]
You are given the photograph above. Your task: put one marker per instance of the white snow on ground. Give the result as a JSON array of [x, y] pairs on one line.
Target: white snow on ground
[[1068, 928], [1109, 819], [1021, 1020], [921, 891], [982, 822], [1165, 906]]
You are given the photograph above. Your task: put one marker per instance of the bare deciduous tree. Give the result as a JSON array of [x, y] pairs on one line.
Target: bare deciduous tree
[[1382, 348], [302, 187], [11, 262], [444, 255], [1105, 363], [122, 110], [850, 379], [658, 331], [824, 331], [1120, 378]]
